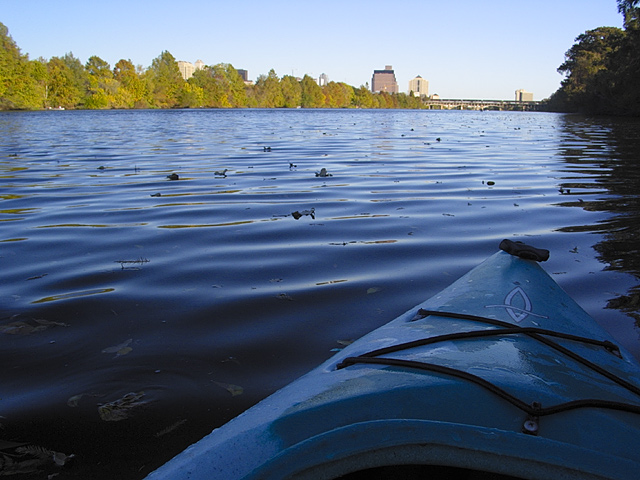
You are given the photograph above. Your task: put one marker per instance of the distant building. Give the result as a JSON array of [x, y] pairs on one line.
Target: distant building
[[187, 68], [243, 74], [384, 81], [419, 86], [524, 96], [323, 79]]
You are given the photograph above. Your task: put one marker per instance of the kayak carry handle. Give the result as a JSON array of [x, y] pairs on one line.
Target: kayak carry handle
[[522, 250]]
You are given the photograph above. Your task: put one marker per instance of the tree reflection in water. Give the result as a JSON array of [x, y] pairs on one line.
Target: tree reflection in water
[[608, 164]]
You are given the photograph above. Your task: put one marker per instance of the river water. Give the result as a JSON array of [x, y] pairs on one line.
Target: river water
[[137, 313]]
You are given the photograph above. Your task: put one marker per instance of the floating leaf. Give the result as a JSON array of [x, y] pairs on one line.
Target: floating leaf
[[121, 409], [74, 400], [20, 327], [234, 390], [123, 351], [120, 349]]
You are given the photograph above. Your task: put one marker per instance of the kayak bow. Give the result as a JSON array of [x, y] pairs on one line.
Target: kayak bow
[[501, 373]]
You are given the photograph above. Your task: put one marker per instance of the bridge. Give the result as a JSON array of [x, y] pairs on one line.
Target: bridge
[[470, 104]]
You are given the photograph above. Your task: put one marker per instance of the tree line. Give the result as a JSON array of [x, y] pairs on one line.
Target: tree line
[[602, 69], [64, 82]]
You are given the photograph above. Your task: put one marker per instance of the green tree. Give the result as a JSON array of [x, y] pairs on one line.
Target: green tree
[[338, 95], [312, 96], [588, 70], [291, 91], [190, 95], [631, 13], [627, 59], [237, 90], [131, 91], [362, 97], [221, 86], [164, 81], [102, 88], [18, 88], [602, 69], [63, 88], [268, 91]]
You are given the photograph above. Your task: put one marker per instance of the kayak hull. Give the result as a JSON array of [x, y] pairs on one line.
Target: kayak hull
[[476, 390]]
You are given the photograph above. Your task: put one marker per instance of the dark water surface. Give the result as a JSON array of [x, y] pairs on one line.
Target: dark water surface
[[201, 296]]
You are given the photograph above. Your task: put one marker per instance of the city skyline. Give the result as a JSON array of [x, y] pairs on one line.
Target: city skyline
[[468, 49]]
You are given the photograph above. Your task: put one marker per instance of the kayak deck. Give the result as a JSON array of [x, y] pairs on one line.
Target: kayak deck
[[501, 372]]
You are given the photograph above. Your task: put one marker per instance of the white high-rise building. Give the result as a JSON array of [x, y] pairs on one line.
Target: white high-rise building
[[419, 86], [524, 96], [186, 69]]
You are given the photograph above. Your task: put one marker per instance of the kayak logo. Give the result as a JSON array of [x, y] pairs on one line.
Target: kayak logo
[[518, 305]]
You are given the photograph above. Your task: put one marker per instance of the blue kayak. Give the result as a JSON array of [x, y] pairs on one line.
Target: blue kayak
[[501, 375]]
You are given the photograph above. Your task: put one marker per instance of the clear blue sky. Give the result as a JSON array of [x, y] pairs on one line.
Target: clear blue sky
[[465, 49]]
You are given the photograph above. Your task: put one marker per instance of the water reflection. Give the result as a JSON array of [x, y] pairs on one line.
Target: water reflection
[[603, 155]]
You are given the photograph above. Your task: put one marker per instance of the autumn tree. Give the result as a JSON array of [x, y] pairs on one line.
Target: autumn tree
[[164, 81], [338, 95]]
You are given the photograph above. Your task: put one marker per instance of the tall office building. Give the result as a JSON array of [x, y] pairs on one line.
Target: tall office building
[[323, 80], [384, 81], [244, 74], [524, 96], [419, 86]]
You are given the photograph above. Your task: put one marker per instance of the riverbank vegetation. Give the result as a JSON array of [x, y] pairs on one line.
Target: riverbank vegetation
[[602, 69], [64, 82]]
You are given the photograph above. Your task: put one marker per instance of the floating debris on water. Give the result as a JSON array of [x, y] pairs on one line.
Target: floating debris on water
[[25, 459], [311, 213], [138, 261], [120, 349], [156, 194], [234, 390], [38, 276], [121, 409], [22, 327], [170, 428]]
